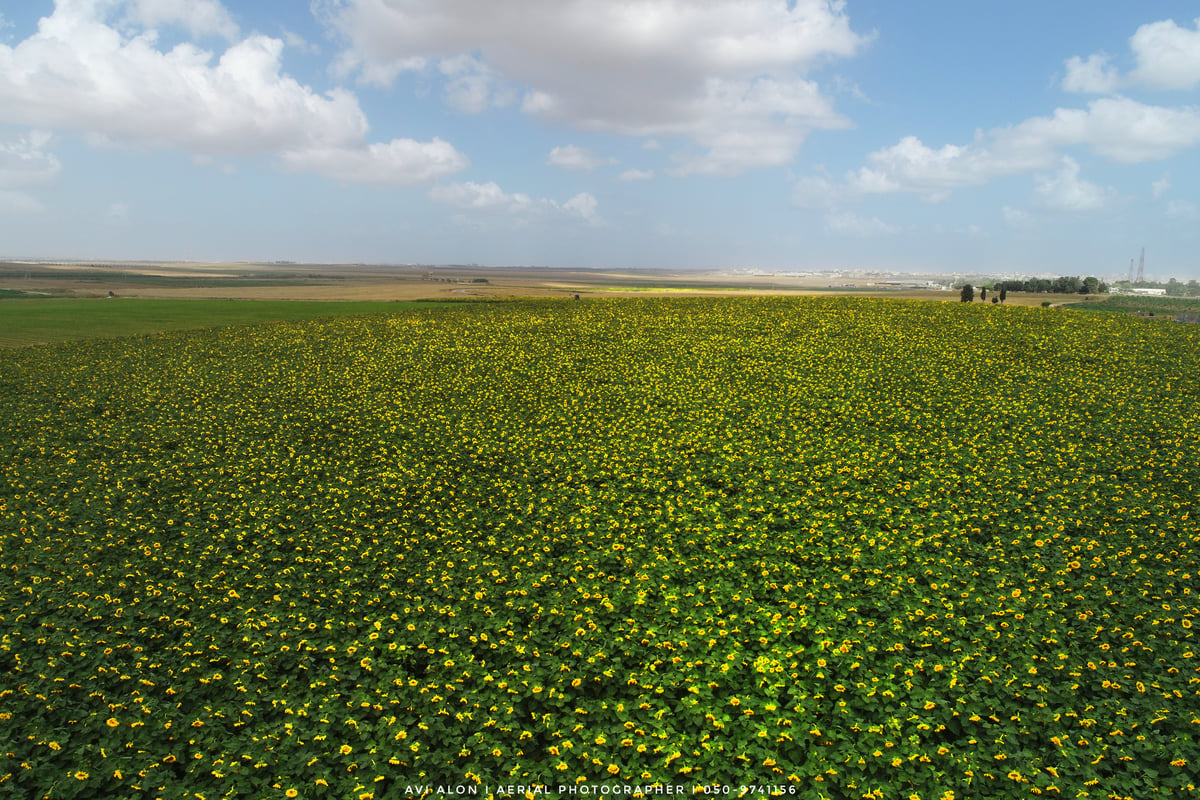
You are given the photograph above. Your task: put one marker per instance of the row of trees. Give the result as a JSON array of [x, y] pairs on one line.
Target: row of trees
[[1065, 284]]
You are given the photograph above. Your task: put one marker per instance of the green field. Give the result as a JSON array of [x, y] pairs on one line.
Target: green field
[[55, 319], [839, 546], [1167, 307]]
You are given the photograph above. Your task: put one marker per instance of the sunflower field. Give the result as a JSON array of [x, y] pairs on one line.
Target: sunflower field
[[826, 547]]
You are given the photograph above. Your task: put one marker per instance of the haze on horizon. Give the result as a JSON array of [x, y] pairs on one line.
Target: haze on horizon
[[724, 134]]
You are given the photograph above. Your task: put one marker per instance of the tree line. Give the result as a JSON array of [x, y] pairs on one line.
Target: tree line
[[1064, 284]]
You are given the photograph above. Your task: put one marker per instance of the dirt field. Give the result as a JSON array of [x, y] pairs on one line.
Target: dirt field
[[341, 282]]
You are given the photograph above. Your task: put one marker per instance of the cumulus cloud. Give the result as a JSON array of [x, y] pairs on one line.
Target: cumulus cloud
[[1167, 56], [851, 224], [755, 123], [473, 87], [1117, 128], [297, 42], [727, 74], [25, 164], [78, 72], [480, 197], [399, 162], [490, 198], [1066, 191], [574, 157], [636, 175], [912, 166], [582, 205], [1092, 75], [200, 17]]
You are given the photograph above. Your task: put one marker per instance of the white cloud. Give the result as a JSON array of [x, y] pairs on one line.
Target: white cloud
[[1092, 75], [1066, 191], [726, 74], [851, 224], [490, 198], [24, 162], [583, 205], [1120, 129], [912, 166], [480, 197], [574, 157], [538, 103], [636, 175], [399, 162], [80, 73], [1183, 209], [297, 42], [755, 123], [1168, 56], [200, 17], [24, 165], [473, 87], [1160, 186]]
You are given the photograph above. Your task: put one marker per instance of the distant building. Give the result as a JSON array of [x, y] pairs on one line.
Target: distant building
[[1155, 292]]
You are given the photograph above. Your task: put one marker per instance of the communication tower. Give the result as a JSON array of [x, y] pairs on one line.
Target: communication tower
[[1141, 276]]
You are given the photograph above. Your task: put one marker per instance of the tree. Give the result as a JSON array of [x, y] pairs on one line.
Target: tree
[[968, 294], [1003, 294], [1066, 284], [983, 294], [1091, 285]]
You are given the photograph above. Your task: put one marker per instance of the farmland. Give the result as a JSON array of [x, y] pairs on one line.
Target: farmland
[[58, 319], [858, 547]]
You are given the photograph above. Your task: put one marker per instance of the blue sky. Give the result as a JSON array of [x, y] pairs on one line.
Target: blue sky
[[1014, 137]]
